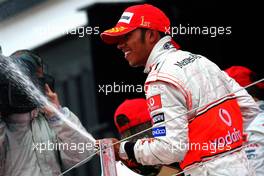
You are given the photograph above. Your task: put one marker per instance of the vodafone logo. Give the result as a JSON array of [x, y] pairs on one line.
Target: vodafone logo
[[228, 139], [151, 101], [225, 116], [154, 102]]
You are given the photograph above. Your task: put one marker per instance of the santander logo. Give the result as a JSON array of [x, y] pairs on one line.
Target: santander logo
[[225, 116]]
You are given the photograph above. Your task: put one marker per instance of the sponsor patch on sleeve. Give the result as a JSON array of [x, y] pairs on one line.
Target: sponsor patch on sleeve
[[158, 118], [159, 131], [154, 102]]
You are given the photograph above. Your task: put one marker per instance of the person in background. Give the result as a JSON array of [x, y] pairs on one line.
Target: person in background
[[131, 117], [179, 82], [255, 138], [32, 136]]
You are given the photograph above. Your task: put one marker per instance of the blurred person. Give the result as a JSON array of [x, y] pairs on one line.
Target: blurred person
[[255, 131], [131, 117], [178, 82], [32, 136]]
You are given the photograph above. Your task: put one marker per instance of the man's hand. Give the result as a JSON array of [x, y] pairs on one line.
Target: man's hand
[[116, 147], [53, 98]]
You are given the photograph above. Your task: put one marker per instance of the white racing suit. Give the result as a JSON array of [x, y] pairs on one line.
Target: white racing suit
[[255, 149], [31, 145], [178, 82]]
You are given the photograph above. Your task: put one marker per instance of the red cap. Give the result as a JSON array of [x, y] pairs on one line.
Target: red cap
[[138, 16], [241, 74], [136, 110]]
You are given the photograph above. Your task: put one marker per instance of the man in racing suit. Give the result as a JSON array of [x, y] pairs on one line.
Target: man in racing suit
[[255, 131], [35, 141], [204, 118]]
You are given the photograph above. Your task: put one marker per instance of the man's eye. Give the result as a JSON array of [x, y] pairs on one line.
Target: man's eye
[[127, 36]]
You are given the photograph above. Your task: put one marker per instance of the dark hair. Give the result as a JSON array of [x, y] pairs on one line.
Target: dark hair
[[143, 34], [30, 56], [13, 98]]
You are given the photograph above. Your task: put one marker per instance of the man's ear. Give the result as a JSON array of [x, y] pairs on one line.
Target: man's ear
[[153, 36]]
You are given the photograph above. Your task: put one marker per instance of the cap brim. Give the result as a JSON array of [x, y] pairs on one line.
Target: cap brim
[[112, 35]]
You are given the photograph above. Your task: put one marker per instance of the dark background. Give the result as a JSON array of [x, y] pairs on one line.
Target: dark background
[[81, 65]]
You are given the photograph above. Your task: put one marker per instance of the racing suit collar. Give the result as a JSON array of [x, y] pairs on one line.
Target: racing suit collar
[[157, 50]]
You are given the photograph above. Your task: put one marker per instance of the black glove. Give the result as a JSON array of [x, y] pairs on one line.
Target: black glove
[[142, 170]]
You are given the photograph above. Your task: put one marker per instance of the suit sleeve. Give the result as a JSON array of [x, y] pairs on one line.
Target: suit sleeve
[[248, 106], [166, 103]]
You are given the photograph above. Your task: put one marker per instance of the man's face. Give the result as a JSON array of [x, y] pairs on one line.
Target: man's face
[[135, 48]]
